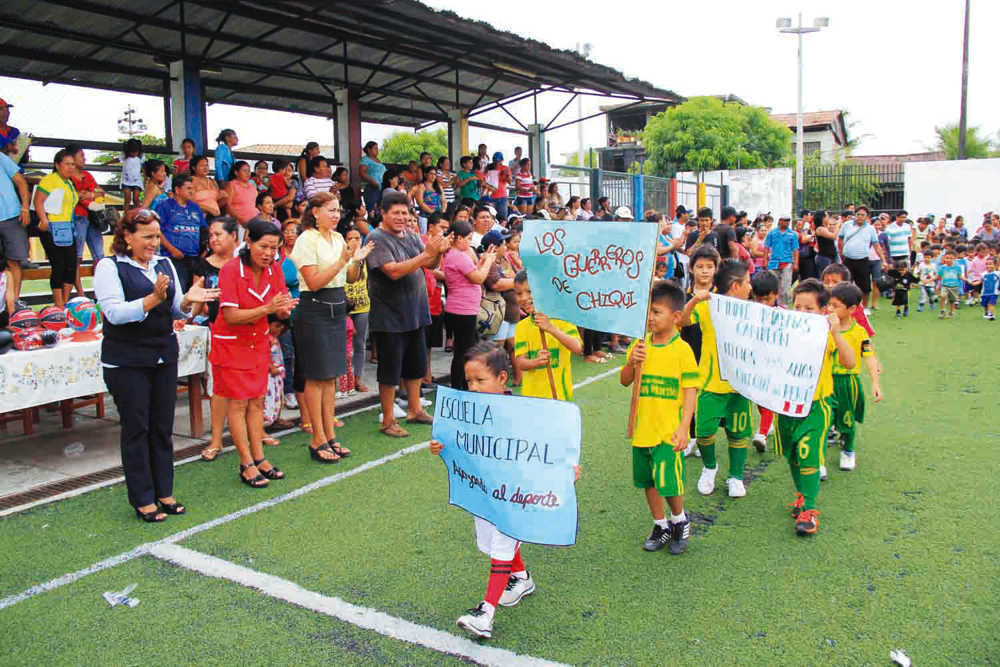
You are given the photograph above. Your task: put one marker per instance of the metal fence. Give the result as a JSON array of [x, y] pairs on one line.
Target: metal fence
[[833, 187], [655, 195], [617, 187]]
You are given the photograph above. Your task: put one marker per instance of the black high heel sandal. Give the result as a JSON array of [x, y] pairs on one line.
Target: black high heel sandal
[[171, 508], [272, 473], [314, 453], [149, 517], [337, 449], [258, 482]]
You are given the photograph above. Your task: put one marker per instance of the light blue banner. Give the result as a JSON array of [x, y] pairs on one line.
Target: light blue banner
[[510, 461], [593, 274]]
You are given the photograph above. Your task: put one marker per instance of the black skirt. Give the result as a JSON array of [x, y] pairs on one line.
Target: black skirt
[[321, 333]]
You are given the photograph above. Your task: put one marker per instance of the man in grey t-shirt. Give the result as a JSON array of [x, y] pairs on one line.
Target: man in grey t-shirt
[[399, 308]]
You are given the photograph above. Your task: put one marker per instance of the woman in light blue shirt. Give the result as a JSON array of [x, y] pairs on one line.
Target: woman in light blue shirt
[[224, 155]]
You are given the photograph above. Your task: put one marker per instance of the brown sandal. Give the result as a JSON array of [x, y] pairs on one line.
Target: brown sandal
[[420, 418], [394, 430]]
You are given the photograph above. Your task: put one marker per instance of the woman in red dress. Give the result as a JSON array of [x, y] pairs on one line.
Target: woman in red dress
[[251, 289]]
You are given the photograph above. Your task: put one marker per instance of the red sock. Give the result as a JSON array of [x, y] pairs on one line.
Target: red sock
[[517, 565], [766, 417], [499, 575]]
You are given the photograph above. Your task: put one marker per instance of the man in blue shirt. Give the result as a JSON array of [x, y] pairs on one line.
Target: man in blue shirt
[[181, 222], [856, 238], [781, 251], [14, 219]]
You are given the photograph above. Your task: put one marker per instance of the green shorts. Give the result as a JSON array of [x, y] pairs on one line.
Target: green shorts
[[659, 466], [730, 410], [848, 400], [802, 439], [948, 295]]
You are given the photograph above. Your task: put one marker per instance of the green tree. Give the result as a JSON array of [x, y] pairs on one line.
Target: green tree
[[706, 133], [401, 147], [975, 145], [591, 158], [147, 140]]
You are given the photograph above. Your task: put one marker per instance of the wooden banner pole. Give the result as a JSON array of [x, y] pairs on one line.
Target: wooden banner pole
[[548, 366]]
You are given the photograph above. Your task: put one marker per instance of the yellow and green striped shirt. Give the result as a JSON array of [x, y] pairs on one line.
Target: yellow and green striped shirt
[[668, 370], [528, 342]]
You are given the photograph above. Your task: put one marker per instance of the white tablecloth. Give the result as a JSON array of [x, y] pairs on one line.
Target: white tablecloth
[[71, 369]]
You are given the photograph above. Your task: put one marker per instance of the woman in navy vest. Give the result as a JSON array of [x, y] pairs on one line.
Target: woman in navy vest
[[136, 290]]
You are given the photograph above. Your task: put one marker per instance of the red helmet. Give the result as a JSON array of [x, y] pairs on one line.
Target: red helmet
[[53, 318], [24, 319]]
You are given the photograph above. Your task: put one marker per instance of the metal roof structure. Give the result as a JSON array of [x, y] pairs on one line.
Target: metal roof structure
[[408, 64]]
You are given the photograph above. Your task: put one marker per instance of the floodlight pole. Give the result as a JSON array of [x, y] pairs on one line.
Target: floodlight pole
[[799, 131], [965, 86]]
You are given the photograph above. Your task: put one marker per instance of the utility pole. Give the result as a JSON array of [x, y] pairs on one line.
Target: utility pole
[[583, 50], [965, 86], [785, 25]]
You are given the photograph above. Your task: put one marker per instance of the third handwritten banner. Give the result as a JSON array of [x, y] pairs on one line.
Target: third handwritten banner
[[593, 274]]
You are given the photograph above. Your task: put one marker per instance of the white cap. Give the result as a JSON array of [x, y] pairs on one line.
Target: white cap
[[623, 212], [492, 210]]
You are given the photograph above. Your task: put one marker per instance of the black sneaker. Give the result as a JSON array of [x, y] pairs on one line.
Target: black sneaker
[[679, 534], [657, 539]]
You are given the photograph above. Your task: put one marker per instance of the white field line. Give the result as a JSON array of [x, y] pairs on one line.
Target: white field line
[[179, 462], [363, 617], [143, 549]]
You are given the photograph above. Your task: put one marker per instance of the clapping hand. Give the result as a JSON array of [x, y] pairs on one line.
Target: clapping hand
[[160, 287], [438, 245], [488, 256], [361, 252], [197, 294], [282, 304]]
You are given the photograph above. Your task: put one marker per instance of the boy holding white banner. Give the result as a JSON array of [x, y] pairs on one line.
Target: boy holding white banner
[[718, 404], [801, 439], [668, 385]]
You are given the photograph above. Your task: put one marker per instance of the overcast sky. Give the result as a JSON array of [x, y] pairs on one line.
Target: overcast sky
[[895, 65]]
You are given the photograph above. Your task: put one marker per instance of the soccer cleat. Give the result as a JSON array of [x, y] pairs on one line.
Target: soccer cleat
[[736, 488], [679, 534], [516, 589], [477, 622], [822, 473], [899, 315], [657, 539], [807, 522], [760, 442], [706, 483], [797, 505], [847, 461]]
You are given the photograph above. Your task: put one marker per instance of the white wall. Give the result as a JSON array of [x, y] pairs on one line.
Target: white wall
[[751, 190], [961, 187]]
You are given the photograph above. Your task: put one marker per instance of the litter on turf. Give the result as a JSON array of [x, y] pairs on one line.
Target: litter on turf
[[121, 597]]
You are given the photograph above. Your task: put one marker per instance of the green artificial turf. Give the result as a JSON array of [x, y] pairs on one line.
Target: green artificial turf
[[905, 558]]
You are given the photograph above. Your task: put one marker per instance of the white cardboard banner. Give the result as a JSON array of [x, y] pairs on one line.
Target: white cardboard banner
[[772, 356]]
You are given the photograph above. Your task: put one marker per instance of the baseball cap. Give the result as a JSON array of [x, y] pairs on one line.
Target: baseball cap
[[680, 210], [492, 210], [494, 237], [498, 156], [929, 216], [623, 212]]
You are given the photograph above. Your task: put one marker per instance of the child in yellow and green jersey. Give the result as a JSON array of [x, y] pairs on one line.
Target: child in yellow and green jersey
[[667, 394], [562, 340], [801, 440], [848, 394], [718, 403]]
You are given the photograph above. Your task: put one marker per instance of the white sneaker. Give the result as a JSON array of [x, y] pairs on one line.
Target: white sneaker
[[706, 483], [847, 461], [291, 402], [760, 442], [822, 473], [404, 403], [868, 311], [397, 412], [477, 621], [736, 488], [516, 589], [697, 452], [692, 445]]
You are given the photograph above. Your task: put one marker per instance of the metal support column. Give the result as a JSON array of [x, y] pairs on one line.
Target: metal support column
[[187, 106], [348, 130], [536, 150]]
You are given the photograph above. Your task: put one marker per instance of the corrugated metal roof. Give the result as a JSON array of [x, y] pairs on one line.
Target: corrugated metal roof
[[409, 63]]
